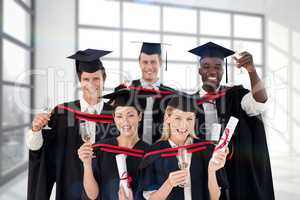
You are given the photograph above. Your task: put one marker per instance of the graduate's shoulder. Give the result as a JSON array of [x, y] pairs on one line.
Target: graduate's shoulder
[[153, 153], [136, 82], [67, 106], [235, 89], [164, 87], [203, 146], [71, 104], [112, 141], [107, 108], [160, 144], [142, 145]]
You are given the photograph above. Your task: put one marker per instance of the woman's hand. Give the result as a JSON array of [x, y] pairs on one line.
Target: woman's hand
[[85, 153], [217, 160], [178, 178], [122, 195]]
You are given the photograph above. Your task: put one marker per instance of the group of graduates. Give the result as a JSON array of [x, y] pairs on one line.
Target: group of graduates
[[151, 124]]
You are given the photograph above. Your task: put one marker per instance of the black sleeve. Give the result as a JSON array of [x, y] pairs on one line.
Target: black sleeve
[[148, 180], [222, 179]]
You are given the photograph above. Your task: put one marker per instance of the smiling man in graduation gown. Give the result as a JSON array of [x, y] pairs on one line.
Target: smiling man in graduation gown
[[53, 152], [248, 169], [150, 62]]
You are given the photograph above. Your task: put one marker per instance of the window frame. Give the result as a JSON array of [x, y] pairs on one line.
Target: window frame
[[161, 32], [29, 48]]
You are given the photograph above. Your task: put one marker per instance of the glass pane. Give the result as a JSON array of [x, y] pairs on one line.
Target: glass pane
[[13, 150], [99, 12], [132, 43], [141, 16], [18, 58], [222, 42], [247, 26], [15, 106], [255, 48], [277, 115], [179, 46], [100, 39], [215, 23], [180, 20], [277, 59], [182, 76], [241, 77], [13, 11], [113, 74], [131, 71]]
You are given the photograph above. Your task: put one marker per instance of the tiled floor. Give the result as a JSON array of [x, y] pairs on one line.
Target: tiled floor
[[286, 175]]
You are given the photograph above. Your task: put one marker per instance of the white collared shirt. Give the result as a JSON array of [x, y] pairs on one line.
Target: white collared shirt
[[34, 140], [248, 103], [85, 107], [154, 85]]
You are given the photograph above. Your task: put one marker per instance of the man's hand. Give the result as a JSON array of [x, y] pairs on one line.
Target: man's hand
[[40, 120], [245, 60]]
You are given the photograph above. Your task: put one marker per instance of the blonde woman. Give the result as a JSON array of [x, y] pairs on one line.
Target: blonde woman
[[180, 166]]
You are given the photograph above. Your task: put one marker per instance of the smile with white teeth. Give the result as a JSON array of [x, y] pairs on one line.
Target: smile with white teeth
[[212, 78], [126, 127]]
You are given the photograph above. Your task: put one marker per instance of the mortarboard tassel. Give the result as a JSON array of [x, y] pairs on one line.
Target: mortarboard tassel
[[226, 70], [166, 68]]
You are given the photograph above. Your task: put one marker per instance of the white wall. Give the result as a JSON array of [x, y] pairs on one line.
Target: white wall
[[54, 40], [283, 64]]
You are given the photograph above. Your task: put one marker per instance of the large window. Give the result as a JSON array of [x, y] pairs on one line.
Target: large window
[[116, 25], [16, 52]]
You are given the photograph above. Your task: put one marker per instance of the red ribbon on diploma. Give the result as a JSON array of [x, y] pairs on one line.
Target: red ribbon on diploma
[[125, 176], [225, 140]]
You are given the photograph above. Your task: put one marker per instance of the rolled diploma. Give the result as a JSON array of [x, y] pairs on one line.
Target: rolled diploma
[[227, 134], [122, 169]]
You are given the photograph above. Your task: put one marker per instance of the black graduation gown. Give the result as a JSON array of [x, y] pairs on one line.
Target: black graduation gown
[[106, 171], [156, 169], [248, 169], [158, 110], [57, 161]]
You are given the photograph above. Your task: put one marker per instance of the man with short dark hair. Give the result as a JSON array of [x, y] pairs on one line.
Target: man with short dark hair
[[150, 62], [248, 169], [53, 152]]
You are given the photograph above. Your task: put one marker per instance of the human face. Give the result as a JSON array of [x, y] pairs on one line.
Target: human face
[[92, 86], [150, 65], [127, 120], [211, 71], [181, 124]]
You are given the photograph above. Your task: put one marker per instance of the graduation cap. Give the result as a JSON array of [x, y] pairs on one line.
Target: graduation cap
[[127, 97], [89, 60], [152, 48], [211, 49], [183, 102]]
